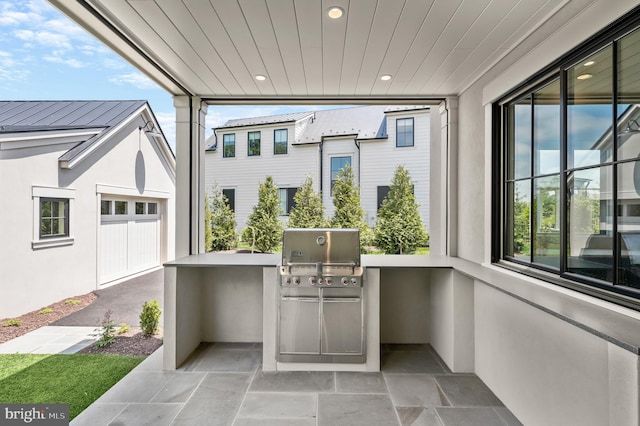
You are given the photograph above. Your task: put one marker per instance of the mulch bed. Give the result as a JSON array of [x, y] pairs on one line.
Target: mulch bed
[[133, 342], [33, 320]]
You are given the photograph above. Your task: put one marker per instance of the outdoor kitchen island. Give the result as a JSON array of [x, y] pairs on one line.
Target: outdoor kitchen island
[[216, 297]]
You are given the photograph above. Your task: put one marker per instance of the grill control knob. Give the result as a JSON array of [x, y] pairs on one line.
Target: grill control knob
[[320, 282], [287, 281], [312, 280], [345, 281], [354, 281], [296, 280], [328, 281]]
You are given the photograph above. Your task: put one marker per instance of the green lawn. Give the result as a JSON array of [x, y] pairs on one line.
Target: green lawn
[[77, 379]]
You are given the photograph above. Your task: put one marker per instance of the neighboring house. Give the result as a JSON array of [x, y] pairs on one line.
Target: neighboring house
[[374, 140], [88, 190]]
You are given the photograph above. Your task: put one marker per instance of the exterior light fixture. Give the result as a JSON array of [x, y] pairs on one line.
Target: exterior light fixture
[[260, 77], [335, 12], [385, 77], [589, 63], [584, 76], [150, 129]]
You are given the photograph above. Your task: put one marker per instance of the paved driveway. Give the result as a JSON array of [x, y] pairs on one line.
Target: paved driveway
[[125, 301]]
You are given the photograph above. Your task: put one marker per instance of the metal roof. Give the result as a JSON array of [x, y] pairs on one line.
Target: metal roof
[[269, 119], [364, 122], [24, 116]]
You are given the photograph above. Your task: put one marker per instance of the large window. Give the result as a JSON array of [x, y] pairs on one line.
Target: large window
[[253, 144], [404, 132], [280, 141], [571, 175], [337, 164], [229, 145]]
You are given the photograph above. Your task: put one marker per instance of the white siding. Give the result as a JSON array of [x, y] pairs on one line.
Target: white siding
[[380, 158], [244, 173]]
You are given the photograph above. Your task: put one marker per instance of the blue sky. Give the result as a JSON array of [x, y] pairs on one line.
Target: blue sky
[[45, 56]]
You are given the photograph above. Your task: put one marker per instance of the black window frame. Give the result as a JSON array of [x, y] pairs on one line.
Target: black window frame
[[51, 218], [230, 198], [334, 177], [253, 152], [231, 144], [612, 291], [383, 192], [405, 119], [290, 201], [277, 144]]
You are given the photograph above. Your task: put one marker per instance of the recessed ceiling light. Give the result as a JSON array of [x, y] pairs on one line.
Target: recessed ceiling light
[[589, 63], [584, 76], [260, 77], [335, 12], [385, 77]]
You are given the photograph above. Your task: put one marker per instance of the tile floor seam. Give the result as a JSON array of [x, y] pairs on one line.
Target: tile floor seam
[[244, 396], [442, 394], [192, 392]]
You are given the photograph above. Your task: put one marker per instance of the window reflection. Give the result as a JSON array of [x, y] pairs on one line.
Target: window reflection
[[629, 223], [546, 139], [520, 139], [519, 245], [589, 111], [546, 219], [590, 239]]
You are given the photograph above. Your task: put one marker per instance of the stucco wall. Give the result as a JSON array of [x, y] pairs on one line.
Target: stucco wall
[[32, 278]]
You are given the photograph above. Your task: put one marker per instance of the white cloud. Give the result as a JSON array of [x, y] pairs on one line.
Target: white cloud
[[11, 69], [135, 79], [71, 62], [167, 122], [114, 64]]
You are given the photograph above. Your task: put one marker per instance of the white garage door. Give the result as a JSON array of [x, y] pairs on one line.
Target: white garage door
[[129, 238]]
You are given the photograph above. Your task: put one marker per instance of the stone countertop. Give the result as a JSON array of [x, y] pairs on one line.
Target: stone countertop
[[226, 259]]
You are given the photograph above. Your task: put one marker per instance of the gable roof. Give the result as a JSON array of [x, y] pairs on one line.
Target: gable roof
[[27, 116], [90, 123]]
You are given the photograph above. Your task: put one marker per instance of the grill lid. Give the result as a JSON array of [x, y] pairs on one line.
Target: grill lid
[[321, 245]]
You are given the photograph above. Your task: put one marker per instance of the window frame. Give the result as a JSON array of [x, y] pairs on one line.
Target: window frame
[[249, 142], [332, 181], [228, 143], [413, 132], [231, 201], [277, 143], [40, 194], [288, 201], [562, 276]]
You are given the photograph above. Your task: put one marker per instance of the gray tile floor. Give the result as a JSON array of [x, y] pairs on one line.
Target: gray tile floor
[[223, 384]]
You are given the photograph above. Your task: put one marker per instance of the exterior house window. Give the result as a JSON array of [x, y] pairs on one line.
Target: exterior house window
[[140, 208], [253, 145], [152, 208], [230, 198], [122, 208], [280, 141], [106, 207], [229, 145], [287, 201], [54, 217], [382, 194], [569, 174], [337, 164], [404, 132]]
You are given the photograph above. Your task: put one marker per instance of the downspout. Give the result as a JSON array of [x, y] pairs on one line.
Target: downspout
[[321, 162], [191, 176]]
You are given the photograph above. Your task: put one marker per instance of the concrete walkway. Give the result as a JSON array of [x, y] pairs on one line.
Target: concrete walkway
[[76, 331]]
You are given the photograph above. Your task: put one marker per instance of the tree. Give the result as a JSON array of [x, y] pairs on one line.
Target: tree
[[208, 235], [223, 223], [308, 211], [349, 212], [264, 230], [399, 228]]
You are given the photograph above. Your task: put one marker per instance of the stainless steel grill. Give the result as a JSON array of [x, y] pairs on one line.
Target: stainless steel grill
[[321, 314]]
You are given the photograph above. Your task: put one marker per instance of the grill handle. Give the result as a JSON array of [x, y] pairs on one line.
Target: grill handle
[[340, 299], [319, 265], [301, 299]]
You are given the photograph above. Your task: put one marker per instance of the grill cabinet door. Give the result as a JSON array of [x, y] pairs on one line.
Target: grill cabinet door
[[342, 331], [299, 325]]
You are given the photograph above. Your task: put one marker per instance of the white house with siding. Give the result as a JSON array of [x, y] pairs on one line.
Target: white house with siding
[[373, 139], [88, 191]]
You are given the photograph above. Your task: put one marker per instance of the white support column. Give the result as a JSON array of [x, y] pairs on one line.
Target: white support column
[[444, 177], [190, 128]]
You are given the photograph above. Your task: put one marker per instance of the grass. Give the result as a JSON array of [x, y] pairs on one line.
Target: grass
[[77, 379]]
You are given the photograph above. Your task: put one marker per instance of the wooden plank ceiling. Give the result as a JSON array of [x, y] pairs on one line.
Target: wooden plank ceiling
[[216, 48]]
